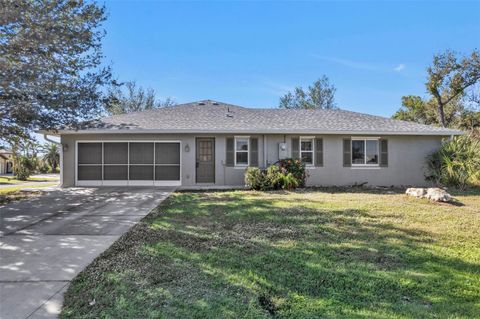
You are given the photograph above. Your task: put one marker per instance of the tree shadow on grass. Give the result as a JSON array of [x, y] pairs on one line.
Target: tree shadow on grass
[[204, 255]]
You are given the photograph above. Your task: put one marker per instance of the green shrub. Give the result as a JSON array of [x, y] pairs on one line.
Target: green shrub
[[24, 167], [456, 163], [254, 178], [288, 181], [273, 178], [43, 167], [288, 174], [296, 167]]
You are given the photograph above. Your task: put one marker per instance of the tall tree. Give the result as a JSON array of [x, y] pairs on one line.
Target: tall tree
[[51, 155], [320, 95], [449, 76], [51, 70], [132, 99]]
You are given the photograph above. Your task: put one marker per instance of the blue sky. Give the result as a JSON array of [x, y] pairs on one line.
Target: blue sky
[[252, 52]]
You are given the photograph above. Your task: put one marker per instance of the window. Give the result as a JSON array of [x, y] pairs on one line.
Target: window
[[365, 152], [306, 150], [241, 151]]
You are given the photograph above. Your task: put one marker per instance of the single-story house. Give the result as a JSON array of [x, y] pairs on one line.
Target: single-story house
[[6, 163], [212, 143]]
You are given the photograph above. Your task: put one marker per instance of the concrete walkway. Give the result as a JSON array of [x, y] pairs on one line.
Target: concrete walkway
[[47, 240]]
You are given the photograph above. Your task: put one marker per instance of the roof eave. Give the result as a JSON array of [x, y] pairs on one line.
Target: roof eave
[[246, 131]]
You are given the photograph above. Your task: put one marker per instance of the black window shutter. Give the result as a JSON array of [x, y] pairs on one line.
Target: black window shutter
[[384, 152], [230, 151], [295, 146], [318, 152], [254, 152], [347, 152]]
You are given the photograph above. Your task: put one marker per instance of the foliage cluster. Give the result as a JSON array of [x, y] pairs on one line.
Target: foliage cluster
[[320, 95], [132, 98], [285, 174], [51, 64], [30, 157], [24, 167], [456, 163], [454, 101]]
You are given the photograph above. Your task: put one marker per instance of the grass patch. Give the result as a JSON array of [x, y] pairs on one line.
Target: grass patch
[[11, 193], [10, 180], [327, 253]]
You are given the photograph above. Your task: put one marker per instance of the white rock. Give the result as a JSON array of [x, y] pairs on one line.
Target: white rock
[[438, 195], [433, 194], [416, 192]]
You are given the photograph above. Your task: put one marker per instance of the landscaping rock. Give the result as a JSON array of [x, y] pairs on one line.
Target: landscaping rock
[[416, 192], [433, 194], [438, 195]]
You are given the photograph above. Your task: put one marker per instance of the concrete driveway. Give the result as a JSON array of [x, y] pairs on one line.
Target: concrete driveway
[[47, 240]]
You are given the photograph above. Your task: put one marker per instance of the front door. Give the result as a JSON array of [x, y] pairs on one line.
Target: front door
[[205, 160]]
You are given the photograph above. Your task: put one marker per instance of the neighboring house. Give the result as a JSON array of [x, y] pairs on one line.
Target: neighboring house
[[6, 164], [212, 143]]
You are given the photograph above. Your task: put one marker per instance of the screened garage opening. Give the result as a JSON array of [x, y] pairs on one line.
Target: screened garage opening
[[141, 163]]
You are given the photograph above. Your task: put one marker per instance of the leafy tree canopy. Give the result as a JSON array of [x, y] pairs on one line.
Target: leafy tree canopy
[[51, 70], [453, 83], [129, 97], [416, 109], [320, 95], [457, 113], [449, 76], [51, 155]]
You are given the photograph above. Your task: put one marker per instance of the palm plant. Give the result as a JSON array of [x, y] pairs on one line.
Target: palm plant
[[456, 163], [51, 156]]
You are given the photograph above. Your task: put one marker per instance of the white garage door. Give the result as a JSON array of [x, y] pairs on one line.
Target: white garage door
[[111, 163]]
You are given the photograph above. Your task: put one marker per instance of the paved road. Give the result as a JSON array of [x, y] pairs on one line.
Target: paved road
[[47, 240]]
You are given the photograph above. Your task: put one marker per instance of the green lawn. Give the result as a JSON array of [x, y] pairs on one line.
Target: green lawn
[[10, 180], [15, 192], [306, 254]]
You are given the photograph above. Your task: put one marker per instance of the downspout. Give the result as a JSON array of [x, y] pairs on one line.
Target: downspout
[[265, 151], [45, 136]]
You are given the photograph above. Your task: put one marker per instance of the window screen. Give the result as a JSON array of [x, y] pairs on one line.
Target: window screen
[[241, 151], [306, 151], [121, 161], [115, 172], [242, 158], [167, 173], [89, 153], [115, 153], [141, 173], [167, 153], [141, 153], [372, 152], [365, 152], [89, 173], [358, 152]]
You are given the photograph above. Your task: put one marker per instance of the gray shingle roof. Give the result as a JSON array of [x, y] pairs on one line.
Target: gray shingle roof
[[216, 117]]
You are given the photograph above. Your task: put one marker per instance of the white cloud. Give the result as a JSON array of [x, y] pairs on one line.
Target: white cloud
[[399, 68]]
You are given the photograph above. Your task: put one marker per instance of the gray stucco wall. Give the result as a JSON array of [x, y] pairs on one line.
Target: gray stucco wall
[[406, 159]]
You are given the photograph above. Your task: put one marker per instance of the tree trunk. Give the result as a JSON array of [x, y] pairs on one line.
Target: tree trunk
[[441, 114]]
